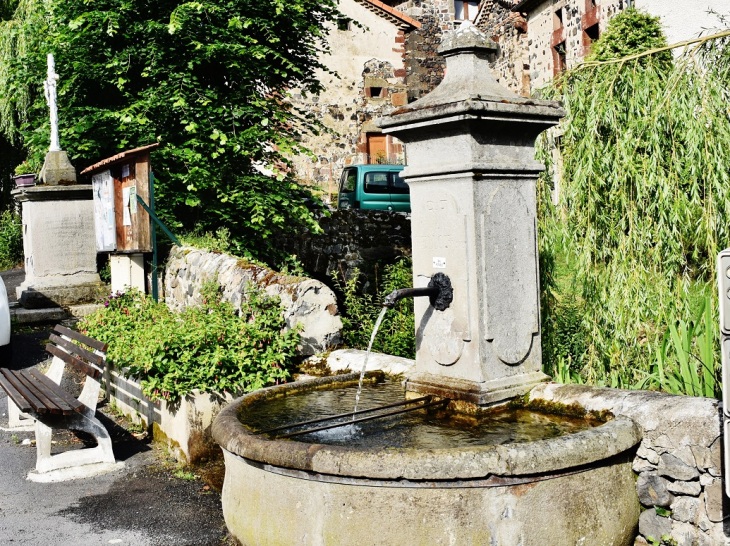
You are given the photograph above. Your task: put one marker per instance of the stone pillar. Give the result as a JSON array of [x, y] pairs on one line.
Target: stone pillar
[[59, 246], [472, 174]]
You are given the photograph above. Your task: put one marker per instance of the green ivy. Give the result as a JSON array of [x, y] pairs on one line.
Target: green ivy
[[209, 347]]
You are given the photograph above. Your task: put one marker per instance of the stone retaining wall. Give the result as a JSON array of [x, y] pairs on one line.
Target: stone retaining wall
[[184, 426], [305, 301], [678, 463], [361, 239]]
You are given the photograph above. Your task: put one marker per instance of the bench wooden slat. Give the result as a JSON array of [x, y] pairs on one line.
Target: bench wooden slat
[[35, 404], [42, 387], [71, 360], [90, 341], [32, 385], [77, 350], [14, 395], [73, 403]]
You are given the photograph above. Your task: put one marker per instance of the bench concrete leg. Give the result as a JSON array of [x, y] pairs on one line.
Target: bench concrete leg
[[17, 419], [102, 453]]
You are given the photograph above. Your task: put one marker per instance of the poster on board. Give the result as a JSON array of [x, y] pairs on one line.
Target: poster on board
[[104, 219]]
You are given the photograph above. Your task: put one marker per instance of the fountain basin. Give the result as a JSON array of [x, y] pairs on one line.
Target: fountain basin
[[574, 489]]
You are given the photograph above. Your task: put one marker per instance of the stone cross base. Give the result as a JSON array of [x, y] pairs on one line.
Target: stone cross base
[[59, 247], [57, 170]]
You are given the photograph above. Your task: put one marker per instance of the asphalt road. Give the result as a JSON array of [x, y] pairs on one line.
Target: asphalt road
[[143, 504]]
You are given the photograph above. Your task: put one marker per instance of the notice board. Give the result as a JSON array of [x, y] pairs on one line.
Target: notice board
[[122, 224]]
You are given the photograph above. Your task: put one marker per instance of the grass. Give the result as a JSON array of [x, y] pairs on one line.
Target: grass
[[678, 354]]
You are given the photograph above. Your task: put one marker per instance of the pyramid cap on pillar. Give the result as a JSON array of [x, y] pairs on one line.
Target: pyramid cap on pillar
[[466, 37]]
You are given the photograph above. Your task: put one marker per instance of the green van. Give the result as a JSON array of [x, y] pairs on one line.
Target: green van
[[374, 187]]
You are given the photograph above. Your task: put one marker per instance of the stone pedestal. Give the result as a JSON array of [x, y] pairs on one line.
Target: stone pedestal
[[59, 246], [57, 169], [472, 175]]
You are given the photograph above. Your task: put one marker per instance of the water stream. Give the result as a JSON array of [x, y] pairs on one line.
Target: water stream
[[367, 356]]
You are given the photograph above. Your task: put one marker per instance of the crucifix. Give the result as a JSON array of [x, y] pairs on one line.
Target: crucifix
[[49, 88]]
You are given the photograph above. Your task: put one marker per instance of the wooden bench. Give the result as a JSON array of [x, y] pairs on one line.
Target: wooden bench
[[37, 397]]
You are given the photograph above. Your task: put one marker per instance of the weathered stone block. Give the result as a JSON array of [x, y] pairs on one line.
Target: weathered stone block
[[652, 490], [57, 169], [653, 526], [647, 453], [642, 465], [685, 509], [674, 468], [684, 534], [714, 497], [685, 488], [59, 246]]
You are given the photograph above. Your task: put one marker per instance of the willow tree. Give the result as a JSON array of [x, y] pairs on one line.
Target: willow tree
[[645, 193], [208, 79]]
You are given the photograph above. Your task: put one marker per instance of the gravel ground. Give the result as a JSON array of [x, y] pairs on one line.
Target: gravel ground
[[150, 502]]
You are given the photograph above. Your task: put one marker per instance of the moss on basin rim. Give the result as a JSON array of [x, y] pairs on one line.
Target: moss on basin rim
[[576, 489]]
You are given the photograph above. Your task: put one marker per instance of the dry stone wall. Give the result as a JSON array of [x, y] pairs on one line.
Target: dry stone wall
[[304, 301], [678, 463], [352, 239]]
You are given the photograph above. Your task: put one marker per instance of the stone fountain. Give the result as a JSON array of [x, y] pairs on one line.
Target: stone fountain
[[472, 177]]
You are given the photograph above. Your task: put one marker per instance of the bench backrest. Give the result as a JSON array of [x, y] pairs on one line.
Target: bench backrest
[[89, 360]]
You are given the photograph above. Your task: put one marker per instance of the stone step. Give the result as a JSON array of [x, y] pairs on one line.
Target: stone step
[[50, 314]]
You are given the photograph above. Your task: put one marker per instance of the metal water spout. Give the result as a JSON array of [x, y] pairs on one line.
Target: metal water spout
[[439, 292]]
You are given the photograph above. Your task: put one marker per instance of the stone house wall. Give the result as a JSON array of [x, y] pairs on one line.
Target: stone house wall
[[365, 58], [509, 30], [425, 69], [395, 53], [562, 41], [678, 463]]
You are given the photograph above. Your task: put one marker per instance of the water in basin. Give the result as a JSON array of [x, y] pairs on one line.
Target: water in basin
[[422, 429]]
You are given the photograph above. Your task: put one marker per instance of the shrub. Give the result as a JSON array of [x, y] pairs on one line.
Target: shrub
[[220, 241], [209, 347], [397, 334], [11, 240]]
